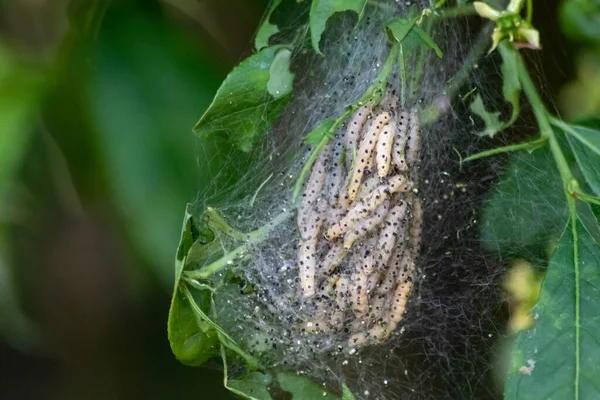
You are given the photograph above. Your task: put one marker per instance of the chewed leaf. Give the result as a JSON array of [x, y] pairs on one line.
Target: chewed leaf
[[511, 87], [322, 10], [558, 357], [317, 134], [243, 107], [398, 28], [302, 388], [254, 385], [281, 79], [491, 120], [511, 91], [185, 243], [267, 29]]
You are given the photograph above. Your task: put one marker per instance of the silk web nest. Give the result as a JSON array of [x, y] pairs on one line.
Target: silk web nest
[[372, 276]]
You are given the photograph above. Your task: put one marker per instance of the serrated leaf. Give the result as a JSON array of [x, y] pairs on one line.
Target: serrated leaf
[[302, 388], [252, 386], [491, 120], [315, 136], [526, 211], [558, 358], [281, 79], [322, 10], [267, 29], [511, 91], [243, 107]]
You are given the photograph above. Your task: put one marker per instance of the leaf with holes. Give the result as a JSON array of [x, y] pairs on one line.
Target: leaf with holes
[[252, 97], [491, 120], [322, 10], [558, 357]]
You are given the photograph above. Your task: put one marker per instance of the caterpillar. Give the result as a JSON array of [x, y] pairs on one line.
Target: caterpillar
[[360, 222]]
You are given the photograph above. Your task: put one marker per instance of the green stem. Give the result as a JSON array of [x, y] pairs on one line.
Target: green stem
[[454, 12], [570, 185], [573, 214], [251, 238], [217, 222], [402, 66], [543, 118], [587, 198], [532, 145]]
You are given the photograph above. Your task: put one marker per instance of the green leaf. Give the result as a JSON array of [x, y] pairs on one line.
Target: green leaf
[[586, 156], [491, 120], [267, 29], [281, 79], [590, 137], [398, 28], [589, 164], [526, 210], [511, 91], [428, 40], [322, 10], [346, 393], [558, 358], [315, 136], [511, 86], [401, 29], [302, 388], [243, 107], [588, 220], [192, 340], [254, 385]]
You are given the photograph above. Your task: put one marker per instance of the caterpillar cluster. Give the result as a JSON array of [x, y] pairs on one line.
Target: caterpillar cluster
[[360, 225]]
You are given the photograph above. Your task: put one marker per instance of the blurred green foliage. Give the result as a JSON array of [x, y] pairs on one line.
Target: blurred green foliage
[[97, 104]]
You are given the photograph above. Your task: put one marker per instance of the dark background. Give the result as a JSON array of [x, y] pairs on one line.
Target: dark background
[[97, 162]]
